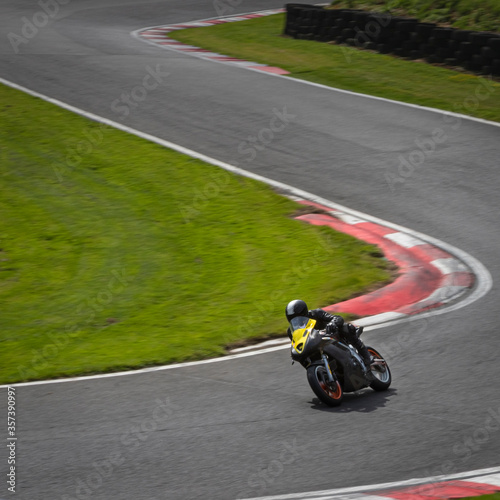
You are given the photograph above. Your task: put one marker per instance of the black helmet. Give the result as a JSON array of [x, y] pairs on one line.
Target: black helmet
[[296, 308]]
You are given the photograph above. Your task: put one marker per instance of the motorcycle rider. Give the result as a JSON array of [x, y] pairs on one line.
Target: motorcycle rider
[[333, 324]]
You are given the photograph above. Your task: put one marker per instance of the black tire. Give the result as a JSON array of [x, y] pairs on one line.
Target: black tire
[[347, 33], [461, 35], [371, 46], [381, 372], [318, 380], [444, 53], [427, 50], [495, 66], [384, 48], [480, 39], [434, 59], [406, 26], [467, 48], [488, 53], [425, 29], [442, 33], [361, 18], [494, 43], [409, 45]]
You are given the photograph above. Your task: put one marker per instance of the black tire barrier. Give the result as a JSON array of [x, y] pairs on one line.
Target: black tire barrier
[[442, 33], [406, 26], [425, 30], [444, 52], [415, 54], [410, 45], [479, 38], [427, 49], [476, 51], [384, 48], [462, 57], [494, 43], [434, 59], [341, 23], [461, 35], [468, 48], [473, 64], [488, 53], [437, 42]]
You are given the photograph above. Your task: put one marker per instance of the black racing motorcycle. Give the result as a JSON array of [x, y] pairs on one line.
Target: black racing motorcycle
[[334, 366]]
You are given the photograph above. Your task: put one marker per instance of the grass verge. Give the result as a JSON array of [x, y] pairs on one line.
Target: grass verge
[[116, 253], [349, 68]]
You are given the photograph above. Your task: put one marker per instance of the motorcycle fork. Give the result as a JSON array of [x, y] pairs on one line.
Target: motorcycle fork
[[328, 369]]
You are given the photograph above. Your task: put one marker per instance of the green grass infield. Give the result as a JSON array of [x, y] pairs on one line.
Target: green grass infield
[[350, 68], [117, 253]]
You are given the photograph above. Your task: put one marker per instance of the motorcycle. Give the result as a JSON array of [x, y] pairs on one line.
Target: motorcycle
[[333, 366]]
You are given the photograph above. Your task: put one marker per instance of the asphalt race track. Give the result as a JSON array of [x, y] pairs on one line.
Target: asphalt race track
[[250, 427]]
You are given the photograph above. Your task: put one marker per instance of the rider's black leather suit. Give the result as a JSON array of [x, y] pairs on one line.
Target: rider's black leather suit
[[347, 330]]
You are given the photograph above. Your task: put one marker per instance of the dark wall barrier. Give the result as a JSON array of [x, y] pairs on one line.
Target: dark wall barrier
[[478, 52]]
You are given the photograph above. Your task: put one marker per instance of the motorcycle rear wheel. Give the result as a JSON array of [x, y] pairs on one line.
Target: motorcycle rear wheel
[[318, 380], [381, 372]]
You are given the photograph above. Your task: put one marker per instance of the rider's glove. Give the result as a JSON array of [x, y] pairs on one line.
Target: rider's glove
[[338, 321], [351, 328], [331, 329], [354, 330]]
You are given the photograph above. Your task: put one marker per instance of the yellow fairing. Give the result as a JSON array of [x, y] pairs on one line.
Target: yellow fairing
[[299, 336]]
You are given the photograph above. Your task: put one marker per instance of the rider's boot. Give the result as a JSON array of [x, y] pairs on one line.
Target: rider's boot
[[367, 359], [352, 333]]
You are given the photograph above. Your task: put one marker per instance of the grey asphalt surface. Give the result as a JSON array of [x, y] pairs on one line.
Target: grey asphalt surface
[[250, 427]]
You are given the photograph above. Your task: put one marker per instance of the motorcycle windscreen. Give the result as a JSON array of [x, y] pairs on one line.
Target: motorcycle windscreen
[[301, 327], [301, 322]]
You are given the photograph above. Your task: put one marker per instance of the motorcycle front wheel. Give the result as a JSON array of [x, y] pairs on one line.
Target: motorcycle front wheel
[[380, 371], [330, 394]]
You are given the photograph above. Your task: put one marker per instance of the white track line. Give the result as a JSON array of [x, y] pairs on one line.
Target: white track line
[[146, 370], [483, 277]]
